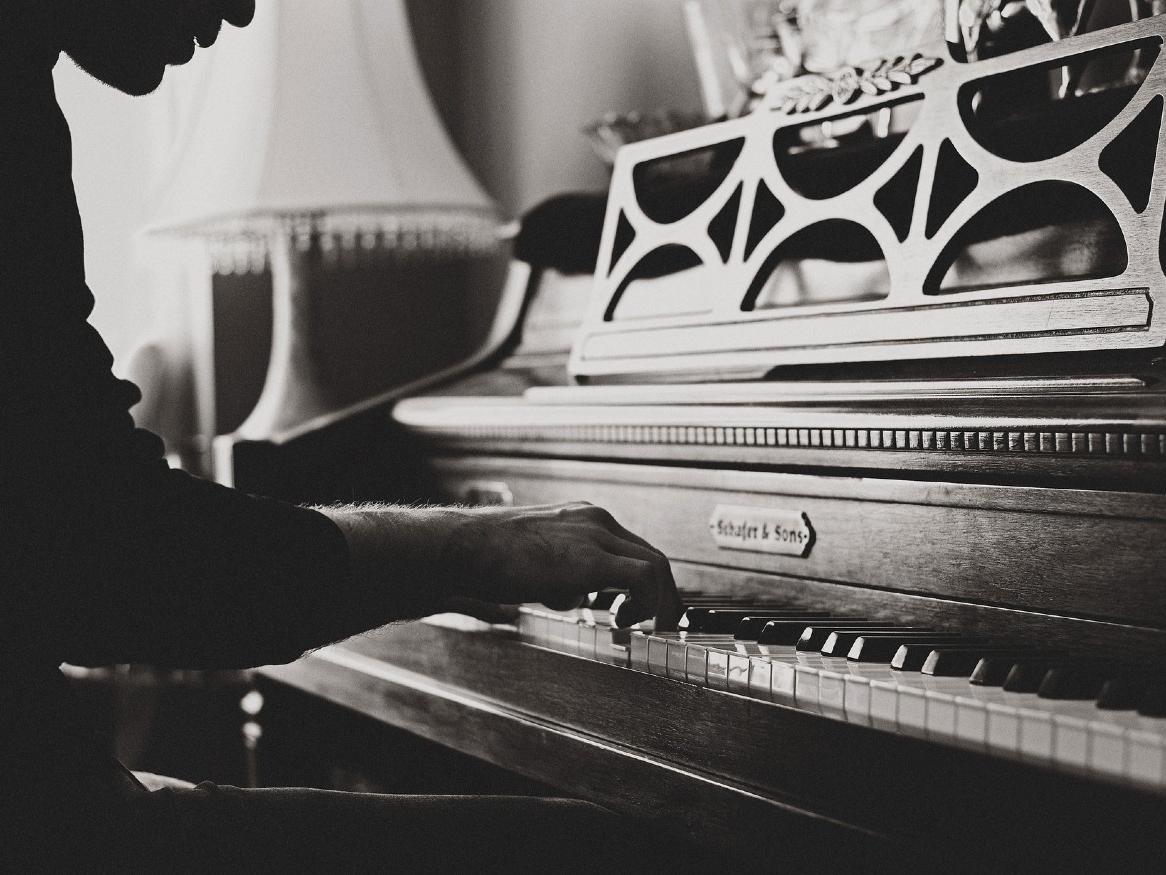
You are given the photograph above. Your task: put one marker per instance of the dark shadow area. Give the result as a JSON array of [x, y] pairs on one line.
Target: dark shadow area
[[1024, 237]]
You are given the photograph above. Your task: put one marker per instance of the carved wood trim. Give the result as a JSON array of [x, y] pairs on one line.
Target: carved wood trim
[[1057, 314]]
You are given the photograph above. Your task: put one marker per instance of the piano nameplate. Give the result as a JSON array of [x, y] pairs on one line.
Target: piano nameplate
[[761, 530]]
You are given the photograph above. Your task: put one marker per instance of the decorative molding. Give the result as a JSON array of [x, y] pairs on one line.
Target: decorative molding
[[1115, 305], [813, 93], [981, 441]]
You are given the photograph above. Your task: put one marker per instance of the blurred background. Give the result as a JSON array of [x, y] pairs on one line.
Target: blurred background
[[514, 81]]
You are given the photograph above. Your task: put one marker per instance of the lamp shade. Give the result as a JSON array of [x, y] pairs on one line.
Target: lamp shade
[[318, 109], [312, 127]]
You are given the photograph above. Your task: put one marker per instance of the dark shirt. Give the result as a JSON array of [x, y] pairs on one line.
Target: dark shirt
[[106, 554]]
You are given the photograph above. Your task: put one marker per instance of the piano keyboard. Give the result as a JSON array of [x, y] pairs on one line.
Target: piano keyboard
[[1005, 697]]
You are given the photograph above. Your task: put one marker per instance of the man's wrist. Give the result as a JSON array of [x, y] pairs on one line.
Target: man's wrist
[[400, 557]]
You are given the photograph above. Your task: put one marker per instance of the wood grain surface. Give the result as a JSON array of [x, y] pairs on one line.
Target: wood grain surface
[[741, 771], [1074, 553]]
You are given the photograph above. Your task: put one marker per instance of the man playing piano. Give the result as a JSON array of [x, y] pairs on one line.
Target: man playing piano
[[108, 556]]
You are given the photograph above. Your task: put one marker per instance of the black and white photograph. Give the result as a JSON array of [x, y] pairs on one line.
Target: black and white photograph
[[599, 436]]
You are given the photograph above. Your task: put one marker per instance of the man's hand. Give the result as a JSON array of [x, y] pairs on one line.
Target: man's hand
[[467, 559], [556, 554]]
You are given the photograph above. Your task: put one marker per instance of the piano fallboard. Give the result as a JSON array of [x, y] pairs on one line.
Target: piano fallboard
[[1077, 566]]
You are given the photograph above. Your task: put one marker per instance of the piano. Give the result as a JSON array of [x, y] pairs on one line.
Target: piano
[[920, 527]]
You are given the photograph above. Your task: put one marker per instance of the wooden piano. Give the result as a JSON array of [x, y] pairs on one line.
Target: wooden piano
[[897, 398]]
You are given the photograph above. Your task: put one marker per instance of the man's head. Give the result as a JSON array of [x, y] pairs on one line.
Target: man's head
[[129, 43]]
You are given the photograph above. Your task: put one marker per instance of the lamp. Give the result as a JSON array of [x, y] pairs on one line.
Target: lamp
[[310, 135]]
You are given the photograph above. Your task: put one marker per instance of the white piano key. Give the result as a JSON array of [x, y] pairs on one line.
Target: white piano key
[[570, 635], [884, 705], [831, 687], [657, 655], [856, 699], [1146, 758], [806, 688], [1003, 729], [677, 659], [695, 663], [638, 652], [1107, 749], [737, 673], [761, 678], [807, 669], [941, 715], [555, 628], [783, 679], [971, 722], [911, 715], [1071, 737], [589, 638], [616, 647], [539, 628], [717, 668], [1036, 733]]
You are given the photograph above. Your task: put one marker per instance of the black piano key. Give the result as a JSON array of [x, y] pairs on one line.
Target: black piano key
[[1153, 702], [814, 637], [911, 655], [841, 641], [726, 620], [789, 631], [957, 662], [1073, 681], [1123, 692], [881, 647], [1026, 675], [992, 669], [749, 629]]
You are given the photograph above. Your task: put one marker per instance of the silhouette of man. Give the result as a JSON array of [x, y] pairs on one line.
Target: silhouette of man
[[107, 555]]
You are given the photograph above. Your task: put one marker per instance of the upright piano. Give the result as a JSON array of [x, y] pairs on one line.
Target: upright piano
[[893, 405]]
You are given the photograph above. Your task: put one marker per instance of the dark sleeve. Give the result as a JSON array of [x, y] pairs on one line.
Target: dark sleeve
[[122, 559], [107, 555]]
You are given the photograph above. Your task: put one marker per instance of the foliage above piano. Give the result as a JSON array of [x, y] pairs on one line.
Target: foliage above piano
[[949, 210]]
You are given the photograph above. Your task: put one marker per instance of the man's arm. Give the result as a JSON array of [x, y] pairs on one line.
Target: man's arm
[[414, 561], [129, 561]]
